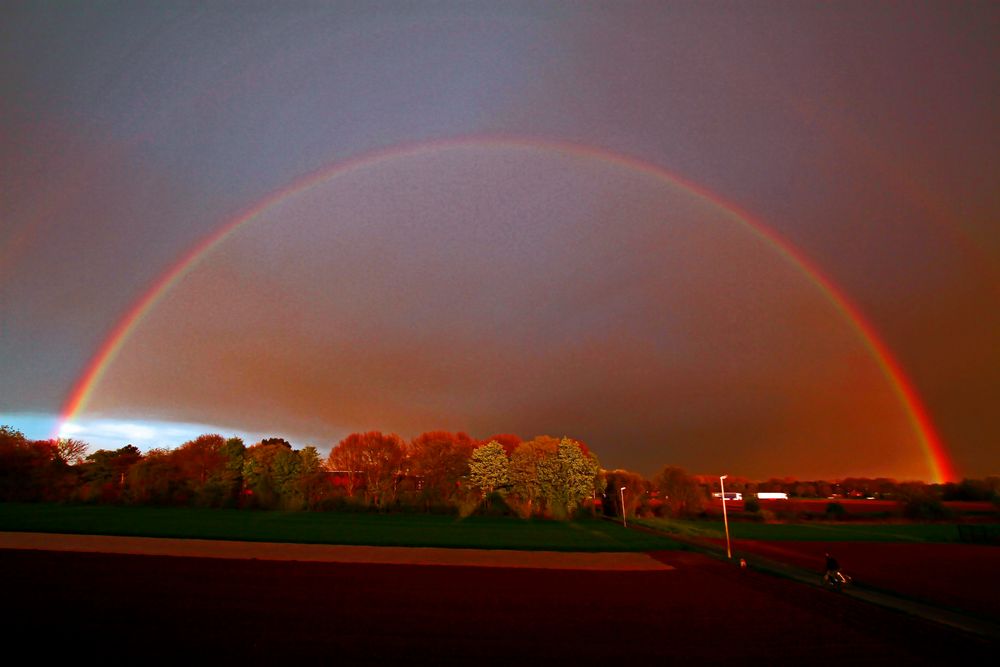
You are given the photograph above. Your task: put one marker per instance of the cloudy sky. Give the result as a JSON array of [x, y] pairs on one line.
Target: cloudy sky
[[756, 238]]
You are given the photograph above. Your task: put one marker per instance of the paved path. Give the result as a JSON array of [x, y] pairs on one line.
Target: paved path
[[983, 627], [157, 546]]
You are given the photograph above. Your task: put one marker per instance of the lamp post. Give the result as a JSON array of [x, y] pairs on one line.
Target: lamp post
[[725, 519], [622, 492]]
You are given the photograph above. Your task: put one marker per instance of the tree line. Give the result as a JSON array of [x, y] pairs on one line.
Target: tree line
[[437, 471]]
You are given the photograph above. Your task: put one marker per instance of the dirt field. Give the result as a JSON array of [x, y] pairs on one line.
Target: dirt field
[[136, 608], [953, 575]]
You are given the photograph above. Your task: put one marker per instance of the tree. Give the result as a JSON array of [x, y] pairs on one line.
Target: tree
[[567, 478], [441, 460], [635, 485], [105, 472], [258, 473], [374, 457], [508, 440], [275, 475], [29, 469], [312, 483], [488, 467], [679, 491], [157, 480], [71, 452], [524, 469]]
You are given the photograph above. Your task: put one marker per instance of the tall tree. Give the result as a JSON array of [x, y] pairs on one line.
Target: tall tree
[[635, 485], [489, 467], [374, 457], [567, 478], [524, 479], [441, 459]]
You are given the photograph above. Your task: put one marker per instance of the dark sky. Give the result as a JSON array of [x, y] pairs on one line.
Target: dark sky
[[503, 264]]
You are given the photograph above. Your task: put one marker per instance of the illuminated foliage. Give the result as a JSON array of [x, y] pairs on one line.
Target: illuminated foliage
[[373, 458], [524, 469], [489, 467], [277, 476], [566, 478]]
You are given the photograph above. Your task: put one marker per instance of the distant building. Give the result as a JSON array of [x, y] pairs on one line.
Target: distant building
[[772, 495]]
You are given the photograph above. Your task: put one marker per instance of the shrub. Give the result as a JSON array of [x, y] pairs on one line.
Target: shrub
[[835, 511], [751, 505]]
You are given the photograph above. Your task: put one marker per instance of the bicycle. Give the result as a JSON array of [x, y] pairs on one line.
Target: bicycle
[[836, 580]]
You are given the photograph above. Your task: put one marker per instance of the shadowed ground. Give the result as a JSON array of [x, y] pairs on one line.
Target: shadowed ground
[[137, 607]]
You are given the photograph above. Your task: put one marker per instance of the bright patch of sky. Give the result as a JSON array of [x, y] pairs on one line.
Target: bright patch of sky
[[102, 433]]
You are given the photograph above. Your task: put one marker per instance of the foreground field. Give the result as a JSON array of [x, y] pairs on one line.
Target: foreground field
[[420, 530], [142, 607]]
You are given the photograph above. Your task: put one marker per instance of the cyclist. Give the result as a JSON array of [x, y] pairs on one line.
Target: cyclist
[[832, 576]]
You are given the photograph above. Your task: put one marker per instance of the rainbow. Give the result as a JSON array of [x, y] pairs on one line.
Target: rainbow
[[939, 464]]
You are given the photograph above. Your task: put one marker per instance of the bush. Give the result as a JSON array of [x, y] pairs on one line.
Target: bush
[[751, 505], [835, 511]]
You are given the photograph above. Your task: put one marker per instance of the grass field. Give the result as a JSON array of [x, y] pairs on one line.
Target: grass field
[[419, 530], [811, 531]]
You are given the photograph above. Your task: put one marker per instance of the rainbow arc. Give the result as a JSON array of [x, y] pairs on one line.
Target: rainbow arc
[[938, 461]]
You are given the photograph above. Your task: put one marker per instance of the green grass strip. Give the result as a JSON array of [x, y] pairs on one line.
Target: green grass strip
[[419, 530], [811, 531]]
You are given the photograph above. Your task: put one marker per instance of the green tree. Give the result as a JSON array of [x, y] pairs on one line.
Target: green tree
[[489, 467], [258, 473], [567, 478]]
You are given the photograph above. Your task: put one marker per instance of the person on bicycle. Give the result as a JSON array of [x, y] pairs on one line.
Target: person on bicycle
[[832, 575]]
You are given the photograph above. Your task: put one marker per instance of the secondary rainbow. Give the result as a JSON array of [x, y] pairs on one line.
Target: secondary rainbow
[[938, 462]]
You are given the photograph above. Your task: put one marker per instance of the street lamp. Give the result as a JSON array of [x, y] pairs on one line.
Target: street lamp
[[622, 492], [725, 519]]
